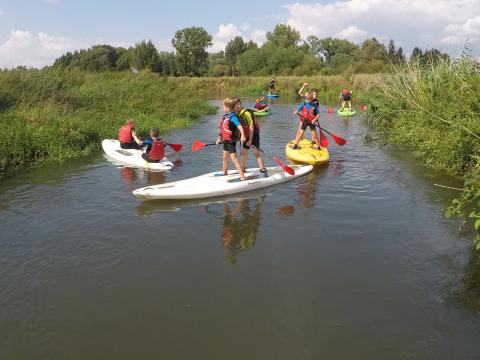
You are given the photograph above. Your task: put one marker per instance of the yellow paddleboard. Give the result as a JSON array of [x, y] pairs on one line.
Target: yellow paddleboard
[[305, 153]]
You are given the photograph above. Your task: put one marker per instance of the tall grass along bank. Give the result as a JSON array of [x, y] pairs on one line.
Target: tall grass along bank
[[54, 115], [435, 111]]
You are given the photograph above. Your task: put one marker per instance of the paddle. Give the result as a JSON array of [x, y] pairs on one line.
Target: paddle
[[175, 147], [323, 139], [285, 168], [330, 110], [340, 141], [363, 107], [197, 145]]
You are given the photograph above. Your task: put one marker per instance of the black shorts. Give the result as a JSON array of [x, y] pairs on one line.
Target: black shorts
[[306, 124], [132, 145], [230, 146], [145, 157], [255, 141], [347, 97]]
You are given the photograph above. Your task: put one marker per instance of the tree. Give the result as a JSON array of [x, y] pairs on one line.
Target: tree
[[145, 56], [283, 36], [417, 54], [191, 44], [329, 47], [313, 45], [234, 48]]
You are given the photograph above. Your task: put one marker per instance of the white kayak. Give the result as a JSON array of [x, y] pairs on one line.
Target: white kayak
[[217, 184], [132, 157]]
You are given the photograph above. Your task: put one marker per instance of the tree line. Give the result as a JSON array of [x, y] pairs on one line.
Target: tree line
[[283, 53]]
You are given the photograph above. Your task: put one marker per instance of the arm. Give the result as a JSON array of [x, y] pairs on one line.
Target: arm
[[250, 137], [242, 134], [300, 92], [136, 138]]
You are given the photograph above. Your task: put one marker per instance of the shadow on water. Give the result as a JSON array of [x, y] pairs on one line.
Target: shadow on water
[[470, 289]]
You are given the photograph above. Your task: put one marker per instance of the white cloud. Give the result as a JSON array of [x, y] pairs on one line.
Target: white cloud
[[424, 23], [227, 32], [351, 33], [25, 48]]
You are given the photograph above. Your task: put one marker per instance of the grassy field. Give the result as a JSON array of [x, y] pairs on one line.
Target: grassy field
[[48, 115], [435, 111]]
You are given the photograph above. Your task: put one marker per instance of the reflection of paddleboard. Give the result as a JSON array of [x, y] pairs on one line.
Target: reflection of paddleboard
[[273, 95], [132, 157], [261, 113], [346, 112], [217, 184], [305, 153]]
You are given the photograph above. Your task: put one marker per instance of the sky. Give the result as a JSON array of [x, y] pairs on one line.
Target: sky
[[35, 32]]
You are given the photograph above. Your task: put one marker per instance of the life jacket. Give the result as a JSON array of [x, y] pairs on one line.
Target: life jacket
[[260, 106], [225, 133], [158, 150], [345, 92], [256, 125], [308, 114], [125, 134]]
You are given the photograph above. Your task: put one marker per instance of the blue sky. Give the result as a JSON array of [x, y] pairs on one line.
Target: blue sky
[[35, 32]]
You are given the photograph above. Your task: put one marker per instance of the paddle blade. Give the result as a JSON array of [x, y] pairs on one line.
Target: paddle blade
[[285, 168], [363, 107], [176, 147], [323, 139], [330, 110], [197, 145], [340, 141]]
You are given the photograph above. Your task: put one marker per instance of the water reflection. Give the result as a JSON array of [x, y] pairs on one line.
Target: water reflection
[[130, 175], [240, 226]]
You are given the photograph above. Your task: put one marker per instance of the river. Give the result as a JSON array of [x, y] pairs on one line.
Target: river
[[353, 261]]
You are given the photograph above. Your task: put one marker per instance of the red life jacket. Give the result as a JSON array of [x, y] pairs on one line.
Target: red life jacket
[[345, 92], [125, 134], [158, 150], [308, 114], [260, 106], [224, 127]]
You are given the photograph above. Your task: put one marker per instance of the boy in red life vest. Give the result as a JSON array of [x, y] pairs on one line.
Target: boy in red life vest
[[127, 137], [155, 148], [309, 115], [260, 105], [346, 96], [229, 124], [251, 129]]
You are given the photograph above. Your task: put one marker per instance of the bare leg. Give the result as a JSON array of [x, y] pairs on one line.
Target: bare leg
[[235, 162], [350, 105], [315, 139], [225, 162], [259, 157], [244, 158], [299, 136]]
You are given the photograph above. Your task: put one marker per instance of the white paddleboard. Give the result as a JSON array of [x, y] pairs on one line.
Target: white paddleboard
[[217, 184], [132, 157]]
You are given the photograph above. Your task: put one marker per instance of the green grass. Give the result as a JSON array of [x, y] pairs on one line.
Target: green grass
[[435, 111], [53, 116]]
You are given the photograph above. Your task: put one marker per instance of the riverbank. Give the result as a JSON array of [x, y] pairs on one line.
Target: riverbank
[[53, 116], [435, 111]]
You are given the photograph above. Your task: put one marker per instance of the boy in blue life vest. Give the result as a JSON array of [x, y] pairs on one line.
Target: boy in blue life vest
[[228, 128], [309, 114], [155, 147], [127, 137], [346, 96]]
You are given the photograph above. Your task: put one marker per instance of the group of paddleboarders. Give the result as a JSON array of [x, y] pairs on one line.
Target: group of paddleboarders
[[236, 124], [155, 147]]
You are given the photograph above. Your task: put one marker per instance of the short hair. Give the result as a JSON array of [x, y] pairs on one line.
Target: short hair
[[130, 122], [154, 131], [314, 90], [229, 103], [237, 100]]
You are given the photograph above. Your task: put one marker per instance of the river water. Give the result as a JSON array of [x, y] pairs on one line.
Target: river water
[[353, 261]]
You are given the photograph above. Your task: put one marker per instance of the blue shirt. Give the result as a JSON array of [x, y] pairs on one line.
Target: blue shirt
[[233, 119], [309, 106]]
